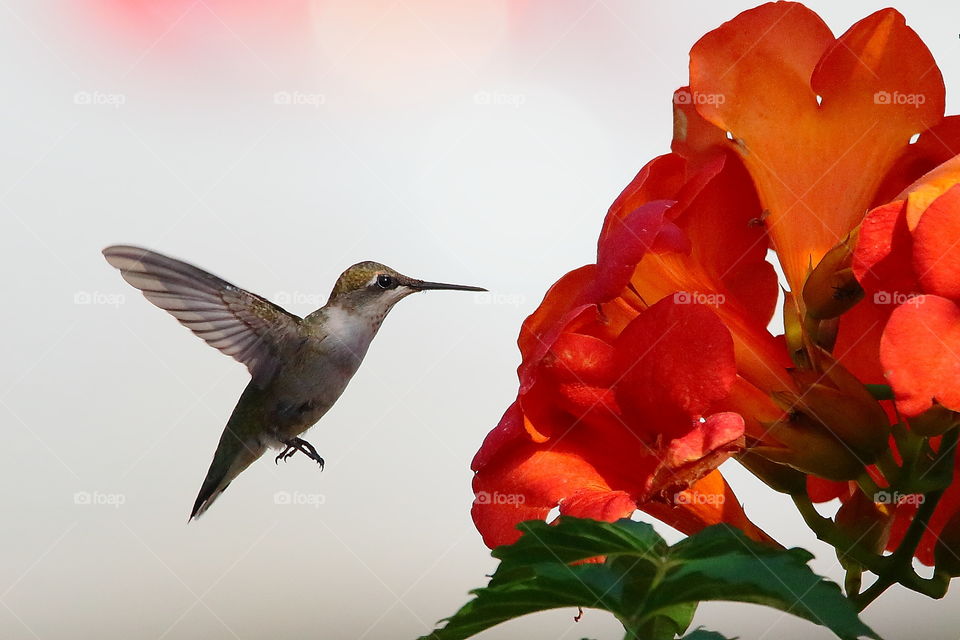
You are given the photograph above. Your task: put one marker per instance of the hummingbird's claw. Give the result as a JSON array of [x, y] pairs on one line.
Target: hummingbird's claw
[[286, 453], [299, 444]]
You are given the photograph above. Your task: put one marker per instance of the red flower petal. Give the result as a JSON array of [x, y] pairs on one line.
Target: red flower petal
[[719, 431], [708, 445], [599, 504], [590, 478], [527, 481], [882, 261], [928, 188], [936, 248], [572, 388], [858, 340], [508, 495], [729, 245], [718, 212], [676, 359], [543, 326], [508, 430], [627, 240], [920, 350], [659, 179], [580, 359], [694, 138], [934, 147]]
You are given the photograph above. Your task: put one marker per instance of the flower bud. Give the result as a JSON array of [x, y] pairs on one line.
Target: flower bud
[[865, 524], [839, 402], [935, 421], [778, 477], [831, 288], [809, 448]]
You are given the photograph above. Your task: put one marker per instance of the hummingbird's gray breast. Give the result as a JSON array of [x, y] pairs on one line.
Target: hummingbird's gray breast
[[316, 375]]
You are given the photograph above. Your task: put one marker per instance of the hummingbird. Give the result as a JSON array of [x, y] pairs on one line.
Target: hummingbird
[[298, 367]]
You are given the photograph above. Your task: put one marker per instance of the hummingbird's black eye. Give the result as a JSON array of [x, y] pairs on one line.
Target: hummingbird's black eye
[[384, 281]]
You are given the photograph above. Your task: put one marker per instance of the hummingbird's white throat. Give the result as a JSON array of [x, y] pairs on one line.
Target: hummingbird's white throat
[[355, 327]]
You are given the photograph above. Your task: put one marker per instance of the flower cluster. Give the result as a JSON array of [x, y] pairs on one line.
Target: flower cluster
[[645, 371]]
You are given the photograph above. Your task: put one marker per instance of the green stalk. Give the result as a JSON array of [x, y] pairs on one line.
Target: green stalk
[[888, 467], [899, 564]]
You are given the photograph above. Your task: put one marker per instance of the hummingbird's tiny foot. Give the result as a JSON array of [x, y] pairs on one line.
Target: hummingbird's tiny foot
[[286, 453], [298, 444], [309, 451]]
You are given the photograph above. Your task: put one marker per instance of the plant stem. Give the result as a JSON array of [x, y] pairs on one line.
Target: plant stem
[[852, 580], [900, 562], [868, 486], [888, 466], [892, 569], [899, 567]]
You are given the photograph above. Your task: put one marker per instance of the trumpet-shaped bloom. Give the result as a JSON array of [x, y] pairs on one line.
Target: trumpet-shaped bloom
[[626, 361], [818, 121]]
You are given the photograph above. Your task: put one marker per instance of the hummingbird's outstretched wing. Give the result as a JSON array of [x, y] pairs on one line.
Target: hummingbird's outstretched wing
[[240, 324]]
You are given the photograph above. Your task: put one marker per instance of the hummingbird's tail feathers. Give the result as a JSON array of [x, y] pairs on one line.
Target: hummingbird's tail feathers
[[232, 457], [240, 324]]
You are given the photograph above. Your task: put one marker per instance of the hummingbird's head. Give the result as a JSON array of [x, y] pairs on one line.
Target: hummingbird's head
[[374, 288]]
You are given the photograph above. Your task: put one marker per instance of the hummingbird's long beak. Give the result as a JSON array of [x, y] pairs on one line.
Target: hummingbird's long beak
[[420, 285]]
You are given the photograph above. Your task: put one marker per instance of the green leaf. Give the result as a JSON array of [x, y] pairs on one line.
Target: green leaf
[[669, 623], [704, 634], [653, 589], [721, 563]]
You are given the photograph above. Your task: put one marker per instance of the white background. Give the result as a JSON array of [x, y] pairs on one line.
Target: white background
[[467, 142]]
